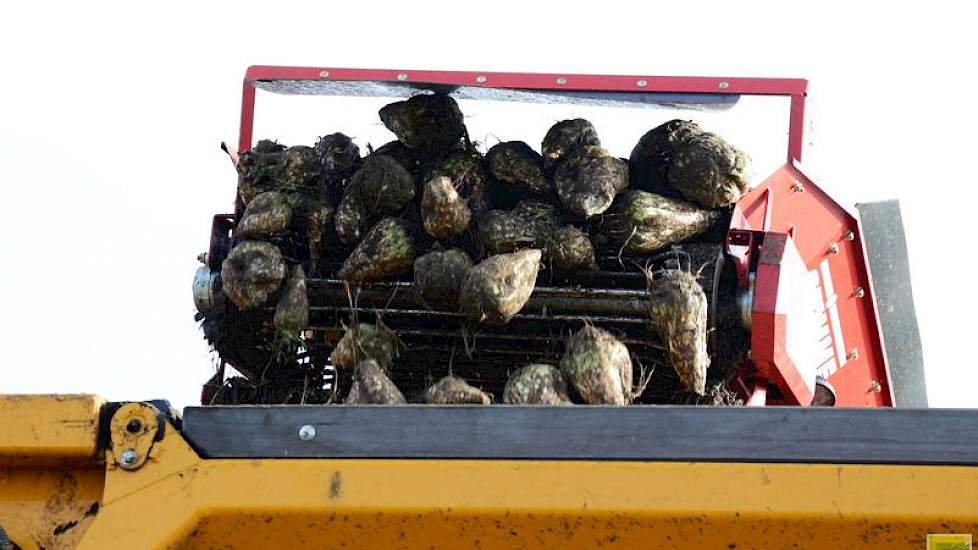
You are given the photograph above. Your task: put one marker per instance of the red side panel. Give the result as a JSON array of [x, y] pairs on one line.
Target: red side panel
[[787, 337], [826, 237]]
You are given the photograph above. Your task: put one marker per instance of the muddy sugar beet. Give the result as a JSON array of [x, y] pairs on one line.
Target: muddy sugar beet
[[443, 211], [466, 170], [438, 277], [570, 249], [588, 181], [292, 312], [339, 157], [536, 384], [386, 251], [252, 273], [365, 341], [428, 123], [257, 169], [652, 156], [529, 224], [372, 387], [498, 288], [542, 215], [269, 213], [641, 222], [382, 185], [452, 390], [319, 219], [501, 232], [566, 139], [351, 219], [300, 171], [708, 171], [679, 159], [517, 164], [677, 309], [598, 365]]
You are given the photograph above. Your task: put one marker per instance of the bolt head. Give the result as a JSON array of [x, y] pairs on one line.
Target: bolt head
[[402, 76], [859, 292], [798, 187], [853, 355], [849, 236], [480, 79], [324, 74], [833, 248], [561, 80], [134, 426], [642, 83], [128, 457], [723, 85], [307, 433]]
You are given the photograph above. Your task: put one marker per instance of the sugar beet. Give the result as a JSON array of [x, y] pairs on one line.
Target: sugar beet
[[498, 288], [598, 365], [252, 273], [536, 384], [677, 310]]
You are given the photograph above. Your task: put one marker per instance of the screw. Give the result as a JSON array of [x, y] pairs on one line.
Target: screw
[[849, 236], [642, 83], [833, 248], [561, 80], [128, 457], [307, 433], [480, 79], [324, 74], [723, 85], [798, 186], [875, 387], [859, 292], [402, 76], [853, 355], [134, 425]]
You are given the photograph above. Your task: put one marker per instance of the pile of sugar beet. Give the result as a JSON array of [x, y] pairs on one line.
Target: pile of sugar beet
[[474, 231]]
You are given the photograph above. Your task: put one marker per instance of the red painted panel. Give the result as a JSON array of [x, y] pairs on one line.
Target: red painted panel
[[794, 204]]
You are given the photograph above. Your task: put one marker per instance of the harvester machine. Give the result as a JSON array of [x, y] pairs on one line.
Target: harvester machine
[[812, 328]]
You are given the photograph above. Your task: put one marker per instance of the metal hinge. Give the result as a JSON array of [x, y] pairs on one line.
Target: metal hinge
[[133, 430]]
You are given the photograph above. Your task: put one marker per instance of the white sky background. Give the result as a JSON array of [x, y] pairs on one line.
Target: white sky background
[[111, 116]]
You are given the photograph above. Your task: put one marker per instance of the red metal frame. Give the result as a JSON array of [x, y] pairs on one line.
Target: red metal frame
[[794, 88]]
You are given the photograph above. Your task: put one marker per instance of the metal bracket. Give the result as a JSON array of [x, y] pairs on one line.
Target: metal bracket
[[134, 428]]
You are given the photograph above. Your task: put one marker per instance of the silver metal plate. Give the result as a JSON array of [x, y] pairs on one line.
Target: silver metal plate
[[360, 88]]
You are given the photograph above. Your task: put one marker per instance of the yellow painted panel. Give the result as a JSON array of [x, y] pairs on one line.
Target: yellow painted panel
[[178, 500], [390, 504], [48, 426], [49, 508]]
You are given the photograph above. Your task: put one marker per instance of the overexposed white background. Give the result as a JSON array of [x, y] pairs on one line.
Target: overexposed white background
[[111, 115]]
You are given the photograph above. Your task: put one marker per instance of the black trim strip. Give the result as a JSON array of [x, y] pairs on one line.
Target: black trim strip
[[661, 433]]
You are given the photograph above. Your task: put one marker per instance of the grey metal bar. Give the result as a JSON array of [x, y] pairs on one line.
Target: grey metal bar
[[886, 248], [659, 433], [591, 301]]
